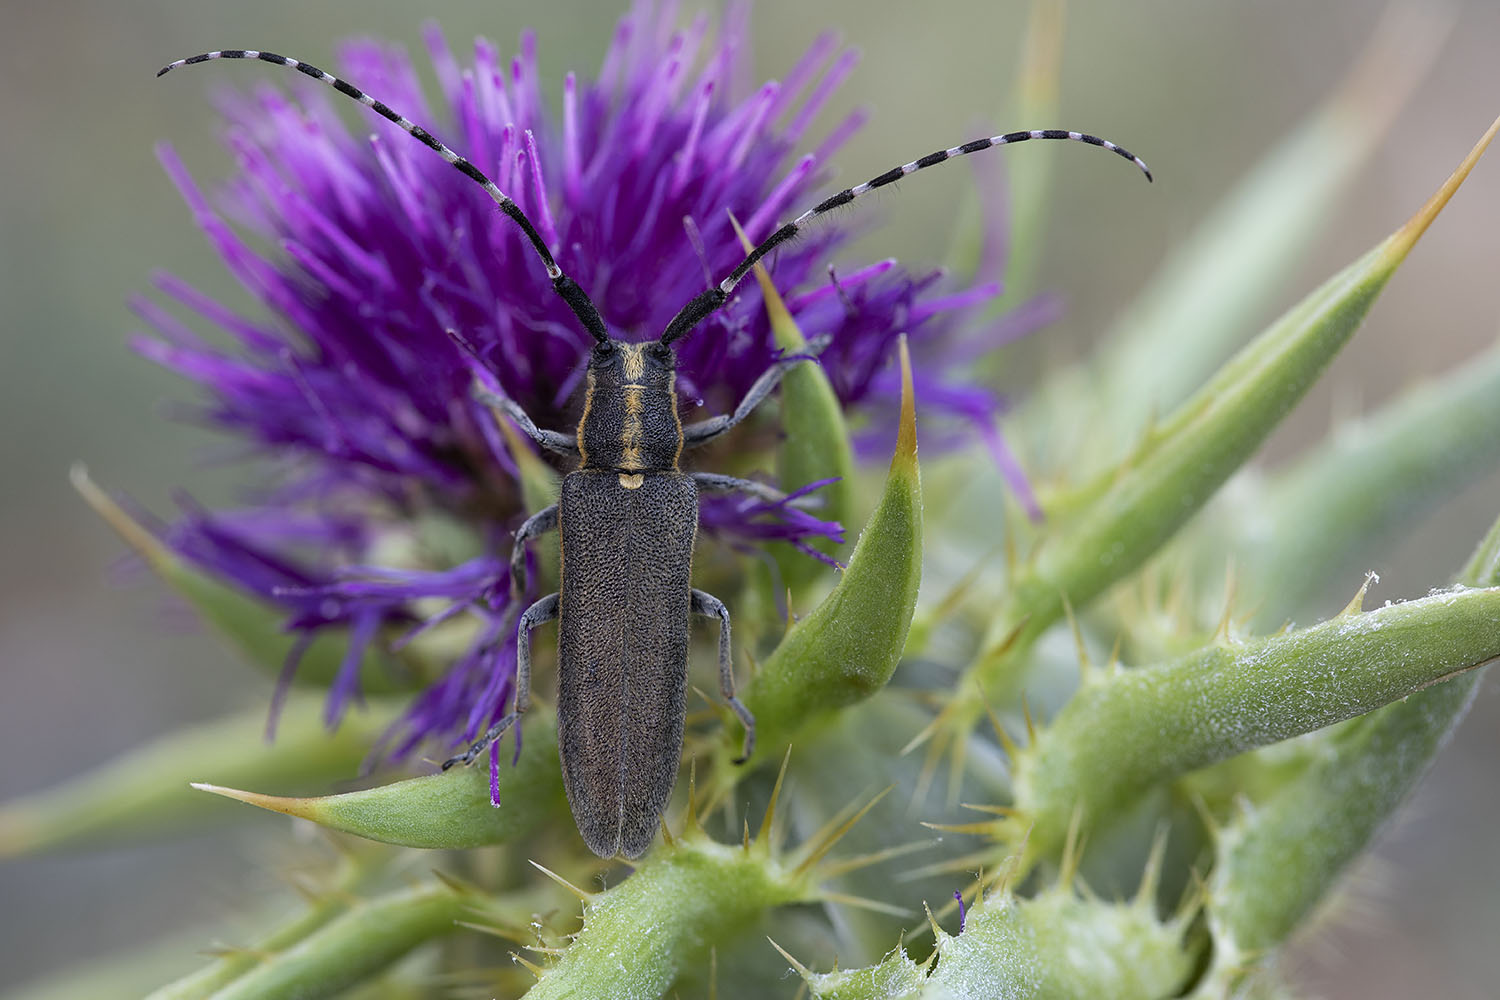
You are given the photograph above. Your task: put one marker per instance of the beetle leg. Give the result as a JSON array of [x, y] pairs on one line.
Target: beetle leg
[[724, 484], [706, 430], [553, 441], [542, 611], [709, 606], [540, 523]]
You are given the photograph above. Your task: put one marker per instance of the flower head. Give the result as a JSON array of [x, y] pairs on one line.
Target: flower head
[[391, 282]]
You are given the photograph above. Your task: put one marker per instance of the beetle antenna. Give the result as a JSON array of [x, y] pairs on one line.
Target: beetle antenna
[[572, 293], [709, 300]]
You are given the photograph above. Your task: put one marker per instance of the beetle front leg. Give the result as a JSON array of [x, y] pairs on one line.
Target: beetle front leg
[[542, 611], [709, 606], [553, 441], [706, 430], [540, 523]]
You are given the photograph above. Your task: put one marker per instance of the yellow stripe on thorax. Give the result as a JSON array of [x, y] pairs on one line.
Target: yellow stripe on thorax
[[632, 432]]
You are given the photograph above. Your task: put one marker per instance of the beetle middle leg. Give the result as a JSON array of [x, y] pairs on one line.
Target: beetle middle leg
[[709, 606], [542, 611], [706, 430], [540, 523]]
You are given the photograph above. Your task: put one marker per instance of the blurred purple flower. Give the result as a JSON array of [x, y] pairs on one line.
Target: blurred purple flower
[[378, 247]]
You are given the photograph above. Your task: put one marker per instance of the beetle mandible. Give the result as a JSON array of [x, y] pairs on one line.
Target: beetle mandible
[[627, 519]]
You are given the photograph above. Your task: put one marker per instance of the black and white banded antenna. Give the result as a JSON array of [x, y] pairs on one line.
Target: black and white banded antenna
[[570, 291], [708, 301]]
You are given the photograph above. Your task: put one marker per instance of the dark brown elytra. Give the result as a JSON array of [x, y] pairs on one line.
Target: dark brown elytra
[[627, 518]]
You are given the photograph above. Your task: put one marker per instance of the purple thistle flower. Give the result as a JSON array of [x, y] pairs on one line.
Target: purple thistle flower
[[354, 386]]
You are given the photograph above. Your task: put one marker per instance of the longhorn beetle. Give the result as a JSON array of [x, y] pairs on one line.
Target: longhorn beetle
[[627, 518]]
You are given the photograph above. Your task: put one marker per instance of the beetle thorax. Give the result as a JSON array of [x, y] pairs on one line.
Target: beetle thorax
[[630, 419]]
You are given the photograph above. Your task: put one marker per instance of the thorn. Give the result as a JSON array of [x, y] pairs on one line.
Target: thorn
[[1000, 882], [762, 836], [966, 863], [865, 903], [1008, 745], [691, 820], [275, 803], [1020, 868], [1194, 897], [999, 649], [586, 897], [845, 865], [925, 776], [1145, 895], [950, 602], [747, 835], [937, 928], [530, 966], [1200, 806], [1085, 665], [956, 765], [1231, 587], [980, 828], [802, 970], [826, 844], [926, 732], [458, 885], [1357, 603], [489, 929], [666, 832], [1072, 854], [304, 885], [1030, 726], [1114, 653]]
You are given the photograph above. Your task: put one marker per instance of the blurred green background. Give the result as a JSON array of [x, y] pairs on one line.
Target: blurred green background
[[91, 663]]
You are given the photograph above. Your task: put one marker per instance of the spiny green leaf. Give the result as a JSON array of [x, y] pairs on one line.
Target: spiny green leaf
[[1220, 279], [353, 946], [447, 810], [1280, 857], [1134, 509], [146, 790], [846, 648], [228, 967], [1124, 733]]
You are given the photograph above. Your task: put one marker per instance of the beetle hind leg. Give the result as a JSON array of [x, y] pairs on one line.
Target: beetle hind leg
[[542, 611], [709, 606]]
